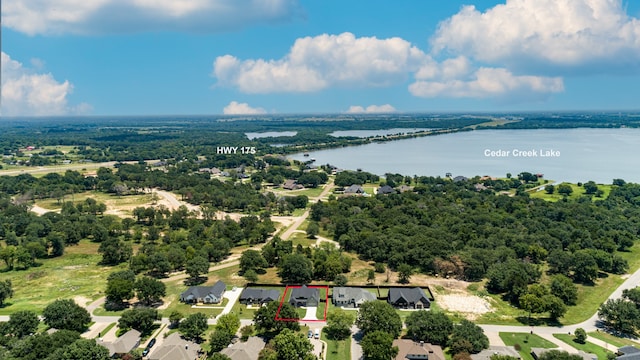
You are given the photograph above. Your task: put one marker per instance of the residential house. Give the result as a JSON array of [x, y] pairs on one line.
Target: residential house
[[291, 185], [251, 296], [204, 294], [304, 296], [174, 347], [405, 188], [408, 298], [123, 345], [628, 353], [386, 189], [486, 354], [351, 297], [460, 178], [354, 190], [411, 350], [480, 187], [248, 350]]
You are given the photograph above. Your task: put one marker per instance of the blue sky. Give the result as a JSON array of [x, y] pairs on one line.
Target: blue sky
[[168, 57]]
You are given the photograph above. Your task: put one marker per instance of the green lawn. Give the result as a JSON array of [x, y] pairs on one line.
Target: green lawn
[[578, 192], [611, 339], [586, 347], [75, 274], [525, 342], [323, 305], [337, 350]]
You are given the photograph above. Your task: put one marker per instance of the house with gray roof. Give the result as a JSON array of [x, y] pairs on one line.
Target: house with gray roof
[[408, 298], [486, 354], [124, 344], [537, 352], [628, 353], [304, 296], [351, 296], [248, 350], [204, 294], [386, 189], [174, 347], [250, 296], [354, 190]]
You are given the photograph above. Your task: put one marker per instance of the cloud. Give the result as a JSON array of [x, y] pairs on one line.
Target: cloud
[[498, 83], [25, 92], [316, 63], [236, 108], [371, 109], [48, 17], [547, 36]]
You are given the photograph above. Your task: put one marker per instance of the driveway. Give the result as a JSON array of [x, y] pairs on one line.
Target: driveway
[[311, 313], [233, 296]]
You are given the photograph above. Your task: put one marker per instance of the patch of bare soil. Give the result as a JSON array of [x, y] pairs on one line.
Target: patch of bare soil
[[81, 300], [470, 305]]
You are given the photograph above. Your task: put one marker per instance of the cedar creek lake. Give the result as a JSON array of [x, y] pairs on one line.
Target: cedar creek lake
[[573, 155]]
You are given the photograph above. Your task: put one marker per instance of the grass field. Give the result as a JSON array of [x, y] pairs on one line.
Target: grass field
[[76, 274], [613, 340], [525, 342], [578, 191], [113, 202], [337, 350], [586, 347]]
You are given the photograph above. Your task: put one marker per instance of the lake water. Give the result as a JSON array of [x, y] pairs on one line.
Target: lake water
[[367, 133], [574, 155], [257, 135]]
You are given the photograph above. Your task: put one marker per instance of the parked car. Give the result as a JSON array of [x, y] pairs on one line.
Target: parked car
[[146, 350], [310, 334], [317, 335]]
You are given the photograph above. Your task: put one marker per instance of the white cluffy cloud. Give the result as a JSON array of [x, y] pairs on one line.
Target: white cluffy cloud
[[547, 36], [25, 92], [324, 61], [236, 108], [371, 109], [120, 16], [316, 63]]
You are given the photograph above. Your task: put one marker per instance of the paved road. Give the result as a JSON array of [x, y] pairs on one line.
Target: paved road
[[356, 349]]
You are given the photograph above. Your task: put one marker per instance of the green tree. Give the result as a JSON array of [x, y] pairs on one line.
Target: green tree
[[149, 290], [313, 230], [6, 291], [581, 336], [174, 318], [65, 314], [23, 323], [85, 349], [472, 333], [562, 287], [555, 306], [632, 295], [620, 315], [565, 189], [590, 187], [246, 331], [219, 356], [252, 260], [404, 273], [251, 275], [378, 315], [371, 276], [229, 322], [196, 267], [118, 291], [296, 269], [429, 326], [290, 345], [549, 189], [378, 345], [585, 267], [141, 319], [340, 280], [114, 251], [339, 324], [194, 326], [219, 340], [265, 318]]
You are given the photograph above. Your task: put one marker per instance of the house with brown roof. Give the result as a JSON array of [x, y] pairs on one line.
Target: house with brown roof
[[248, 350], [174, 347], [486, 354], [291, 185], [412, 350]]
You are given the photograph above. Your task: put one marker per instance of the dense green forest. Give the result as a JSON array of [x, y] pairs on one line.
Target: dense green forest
[[452, 229]]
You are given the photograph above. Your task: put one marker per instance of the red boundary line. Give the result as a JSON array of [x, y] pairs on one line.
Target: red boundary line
[[284, 296]]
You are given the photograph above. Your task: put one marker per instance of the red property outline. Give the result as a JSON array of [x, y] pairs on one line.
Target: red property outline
[[284, 296]]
